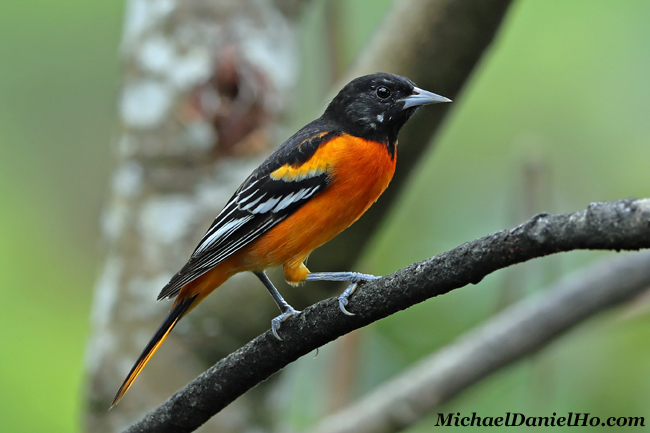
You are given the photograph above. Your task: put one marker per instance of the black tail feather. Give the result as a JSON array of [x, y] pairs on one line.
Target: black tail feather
[[174, 315]]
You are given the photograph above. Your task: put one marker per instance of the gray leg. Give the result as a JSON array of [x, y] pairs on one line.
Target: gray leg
[[286, 309], [353, 277]]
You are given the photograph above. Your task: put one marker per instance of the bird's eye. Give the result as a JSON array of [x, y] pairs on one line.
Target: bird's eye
[[383, 92]]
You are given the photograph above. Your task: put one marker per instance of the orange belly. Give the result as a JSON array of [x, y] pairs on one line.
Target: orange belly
[[361, 171]]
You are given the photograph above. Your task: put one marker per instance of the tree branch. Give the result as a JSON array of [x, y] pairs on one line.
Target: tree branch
[[620, 225], [516, 332]]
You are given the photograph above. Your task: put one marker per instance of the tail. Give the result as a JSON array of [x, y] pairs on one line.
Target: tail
[[180, 308]]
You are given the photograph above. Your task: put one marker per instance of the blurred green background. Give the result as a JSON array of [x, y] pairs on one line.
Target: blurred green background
[[556, 117]]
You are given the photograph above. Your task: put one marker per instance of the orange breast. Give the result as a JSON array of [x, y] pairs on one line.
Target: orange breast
[[361, 171]]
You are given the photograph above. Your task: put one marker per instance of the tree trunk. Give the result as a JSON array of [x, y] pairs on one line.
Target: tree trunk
[[204, 85]]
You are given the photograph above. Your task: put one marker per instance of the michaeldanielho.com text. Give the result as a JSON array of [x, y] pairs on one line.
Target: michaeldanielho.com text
[[516, 419]]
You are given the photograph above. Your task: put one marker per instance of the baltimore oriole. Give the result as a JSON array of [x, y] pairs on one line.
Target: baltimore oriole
[[319, 182]]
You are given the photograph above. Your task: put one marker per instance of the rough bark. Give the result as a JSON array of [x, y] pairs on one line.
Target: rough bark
[[516, 332], [204, 85], [621, 225]]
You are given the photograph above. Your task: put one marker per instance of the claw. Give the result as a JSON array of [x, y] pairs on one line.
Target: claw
[[275, 323], [345, 296]]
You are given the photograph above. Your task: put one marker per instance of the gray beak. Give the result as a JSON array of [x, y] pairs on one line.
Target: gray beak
[[422, 97]]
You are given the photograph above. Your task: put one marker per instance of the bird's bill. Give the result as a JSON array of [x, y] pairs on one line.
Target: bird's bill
[[422, 97]]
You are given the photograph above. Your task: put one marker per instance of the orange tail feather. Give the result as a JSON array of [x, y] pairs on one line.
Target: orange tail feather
[[180, 308]]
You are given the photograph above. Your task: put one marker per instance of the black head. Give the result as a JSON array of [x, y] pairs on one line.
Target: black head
[[376, 106]]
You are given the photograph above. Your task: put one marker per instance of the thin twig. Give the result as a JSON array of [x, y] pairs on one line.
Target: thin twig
[[620, 225]]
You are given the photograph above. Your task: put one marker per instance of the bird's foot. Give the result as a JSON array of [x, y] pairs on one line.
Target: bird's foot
[[345, 296], [275, 323]]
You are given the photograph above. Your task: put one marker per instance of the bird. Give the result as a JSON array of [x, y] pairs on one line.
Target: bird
[[315, 185]]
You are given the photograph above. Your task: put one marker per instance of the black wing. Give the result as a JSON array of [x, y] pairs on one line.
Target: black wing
[[259, 204]]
